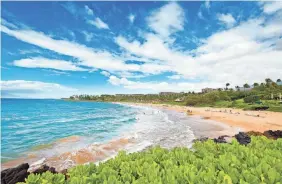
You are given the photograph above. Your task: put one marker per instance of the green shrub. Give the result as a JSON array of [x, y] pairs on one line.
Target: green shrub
[[208, 162], [251, 99]]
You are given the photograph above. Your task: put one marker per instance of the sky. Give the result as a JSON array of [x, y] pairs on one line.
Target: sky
[[57, 49]]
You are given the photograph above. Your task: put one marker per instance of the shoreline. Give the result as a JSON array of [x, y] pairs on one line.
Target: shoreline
[[206, 122], [258, 121]]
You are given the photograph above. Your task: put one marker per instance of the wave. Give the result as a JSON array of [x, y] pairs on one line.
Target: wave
[[133, 128]]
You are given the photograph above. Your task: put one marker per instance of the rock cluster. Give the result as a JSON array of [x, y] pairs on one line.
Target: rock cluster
[[20, 173], [45, 168], [243, 138], [14, 175], [222, 139], [273, 134]]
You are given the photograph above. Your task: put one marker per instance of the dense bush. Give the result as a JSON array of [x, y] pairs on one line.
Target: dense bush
[[251, 99], [208, 162]]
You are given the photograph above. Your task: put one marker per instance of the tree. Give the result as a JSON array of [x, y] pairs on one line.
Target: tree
[[274, 84], [251, 99], [256, 84], [268, 80], [227, 84], [246, 86], [278, 80], [237, 87]]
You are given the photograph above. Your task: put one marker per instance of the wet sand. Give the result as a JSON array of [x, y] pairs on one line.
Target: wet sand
[[246, 120], [92, 153]]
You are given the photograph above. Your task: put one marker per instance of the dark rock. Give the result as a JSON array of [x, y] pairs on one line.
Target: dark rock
[[14, 175], [273, 134], [45, 168], [65, 172], [243, 138], [253, 133], [201, 139], [221, 139]]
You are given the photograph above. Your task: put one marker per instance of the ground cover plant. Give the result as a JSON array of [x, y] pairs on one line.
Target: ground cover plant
[[207, 162]]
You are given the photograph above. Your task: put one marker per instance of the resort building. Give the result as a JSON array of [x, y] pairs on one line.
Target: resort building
[[207, 90], [168, 93]]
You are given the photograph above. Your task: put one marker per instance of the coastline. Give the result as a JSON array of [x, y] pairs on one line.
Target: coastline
[[259, 121], [203, 122]]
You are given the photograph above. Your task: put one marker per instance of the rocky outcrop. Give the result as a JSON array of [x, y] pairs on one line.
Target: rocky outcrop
[[14, 175], [243, 138], [201, 139], [273, 134], [45, 168], [223, 139], [20, 173]]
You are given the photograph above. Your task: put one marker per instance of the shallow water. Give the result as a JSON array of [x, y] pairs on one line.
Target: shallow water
[[65, 133], [36, 123]]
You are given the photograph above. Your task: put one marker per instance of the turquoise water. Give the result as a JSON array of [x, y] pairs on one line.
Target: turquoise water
[[27, 123]]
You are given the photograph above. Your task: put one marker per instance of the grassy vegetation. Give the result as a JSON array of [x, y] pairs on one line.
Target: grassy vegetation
[[208, 162], [262, 97]]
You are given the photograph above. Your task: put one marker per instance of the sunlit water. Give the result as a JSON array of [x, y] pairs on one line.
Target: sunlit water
[[33, 126]]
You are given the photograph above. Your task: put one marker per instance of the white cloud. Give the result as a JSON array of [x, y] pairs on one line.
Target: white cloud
[[30, 51], [272, 7], [222, 57], [47, 63], [219, 58], [131, 18], [125, 74], [207, 4], [8, 24], [159, 86], [88, 10], [200, 15], [174, 77], [227, 19], [167, 20], [71, 33], [34, 89], [57, 72], [88, 56], [105, 73], [88, 36], [99, 23]]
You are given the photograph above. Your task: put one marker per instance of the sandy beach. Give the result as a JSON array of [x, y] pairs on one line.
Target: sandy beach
[[247, 120], [203, 122]]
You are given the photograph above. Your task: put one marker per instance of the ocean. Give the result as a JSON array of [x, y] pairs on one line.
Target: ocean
[[67, 133]]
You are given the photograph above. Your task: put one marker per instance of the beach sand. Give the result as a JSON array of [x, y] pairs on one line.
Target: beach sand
[[246, 120], [204, 122]]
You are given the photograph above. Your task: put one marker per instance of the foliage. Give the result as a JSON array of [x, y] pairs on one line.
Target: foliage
[[208, 162], [217, 98], [246, 85], [251, 99]]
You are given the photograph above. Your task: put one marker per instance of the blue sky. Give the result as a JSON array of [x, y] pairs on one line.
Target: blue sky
[[56, 49]]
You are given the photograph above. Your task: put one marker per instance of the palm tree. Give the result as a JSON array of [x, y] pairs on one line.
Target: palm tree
[[246, 86], [227, 84], [256, 84], [268, 80], [278, 80]]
